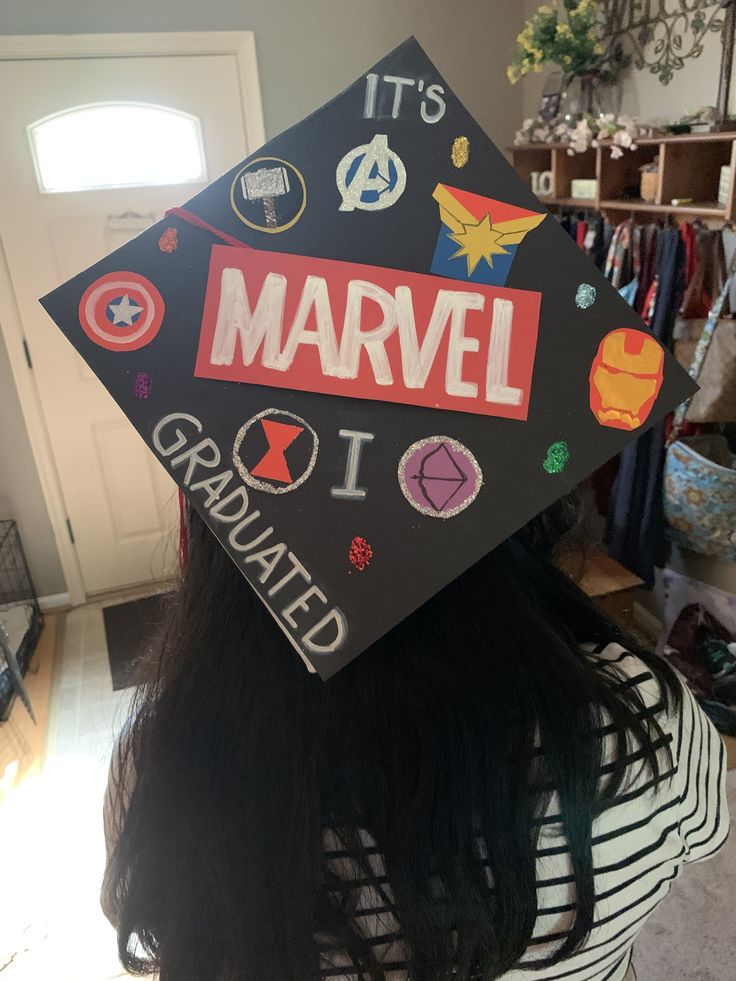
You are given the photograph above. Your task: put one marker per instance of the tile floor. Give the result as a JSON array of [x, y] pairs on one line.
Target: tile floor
[[53, 922]]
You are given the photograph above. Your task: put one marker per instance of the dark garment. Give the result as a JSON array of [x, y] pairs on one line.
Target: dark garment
[[635, 531], [635, 526], [569, 224], [648, 266], [601, 242], [671, 273], [687, 230], [608, 231]]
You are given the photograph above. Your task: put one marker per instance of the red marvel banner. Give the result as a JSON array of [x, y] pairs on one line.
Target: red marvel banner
[[364, 332]]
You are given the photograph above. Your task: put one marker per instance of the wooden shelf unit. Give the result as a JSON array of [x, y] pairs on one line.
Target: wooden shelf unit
[[689, 167]]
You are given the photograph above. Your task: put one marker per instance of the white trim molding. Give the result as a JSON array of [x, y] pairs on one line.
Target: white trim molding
[[38, 436], [57, 601]]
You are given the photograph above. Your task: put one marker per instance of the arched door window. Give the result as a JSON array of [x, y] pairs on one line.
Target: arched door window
[[115, 144]]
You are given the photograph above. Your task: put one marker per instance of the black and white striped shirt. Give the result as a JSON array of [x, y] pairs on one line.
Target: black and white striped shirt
[[640, 845]]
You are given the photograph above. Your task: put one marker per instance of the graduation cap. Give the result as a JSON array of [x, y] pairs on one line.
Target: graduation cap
[[367, 355]]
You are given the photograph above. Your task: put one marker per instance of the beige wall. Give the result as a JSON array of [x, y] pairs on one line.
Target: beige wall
[[642, 94], [307, 51]]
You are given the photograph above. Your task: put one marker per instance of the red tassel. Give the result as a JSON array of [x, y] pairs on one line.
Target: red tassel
[[201, 223]]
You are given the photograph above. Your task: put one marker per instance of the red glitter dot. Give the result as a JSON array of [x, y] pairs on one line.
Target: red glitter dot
[[360, 553], [169, 241]]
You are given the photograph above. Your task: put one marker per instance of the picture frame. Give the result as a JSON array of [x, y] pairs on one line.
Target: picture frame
[[554, 87]]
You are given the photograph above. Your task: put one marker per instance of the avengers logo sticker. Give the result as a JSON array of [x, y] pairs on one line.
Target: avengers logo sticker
[[439, 476], [269, 195], [121, 311], [370, 177], [275, 451]]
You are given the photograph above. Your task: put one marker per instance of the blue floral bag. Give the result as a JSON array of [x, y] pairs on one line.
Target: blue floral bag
[[700, 495]]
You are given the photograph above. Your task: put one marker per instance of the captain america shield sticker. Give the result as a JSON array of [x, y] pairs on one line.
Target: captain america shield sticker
[[121, 311], [439, 476]]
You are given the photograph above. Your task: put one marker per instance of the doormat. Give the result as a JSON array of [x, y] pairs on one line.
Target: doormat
[[129, 628]]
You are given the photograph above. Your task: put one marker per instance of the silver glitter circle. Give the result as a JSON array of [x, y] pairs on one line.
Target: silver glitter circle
[[585, 296], [254, 482], [458, 448]]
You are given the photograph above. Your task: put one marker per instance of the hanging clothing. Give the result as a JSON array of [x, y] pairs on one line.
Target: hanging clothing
[[648, 269], [581, 234], [619, 264], [599, 247], [564, 222], [687, 230], [629, 292], [635, 530], [636, 248], [569, 224], [608, 231], [650, 301], [708, 276], [671, 284]]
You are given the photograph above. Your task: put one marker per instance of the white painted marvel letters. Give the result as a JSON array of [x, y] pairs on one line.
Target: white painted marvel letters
[[258, 331]]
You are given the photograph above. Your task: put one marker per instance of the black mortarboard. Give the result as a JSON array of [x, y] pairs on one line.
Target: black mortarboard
[[367, 355]]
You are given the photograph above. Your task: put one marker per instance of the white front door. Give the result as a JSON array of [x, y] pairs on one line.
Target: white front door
[[120, 503]]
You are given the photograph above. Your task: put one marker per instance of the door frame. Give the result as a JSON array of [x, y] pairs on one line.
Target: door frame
[[32, 47]]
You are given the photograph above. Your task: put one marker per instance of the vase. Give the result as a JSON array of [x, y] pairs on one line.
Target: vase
[[580, 97]]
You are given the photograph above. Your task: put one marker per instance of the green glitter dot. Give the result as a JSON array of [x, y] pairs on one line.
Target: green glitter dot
[[585, 296], [558, 456]]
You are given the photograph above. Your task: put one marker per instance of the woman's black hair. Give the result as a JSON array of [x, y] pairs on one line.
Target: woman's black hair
[[242, 759]]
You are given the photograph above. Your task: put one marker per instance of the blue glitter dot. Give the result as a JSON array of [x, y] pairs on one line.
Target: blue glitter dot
[[585, 296]]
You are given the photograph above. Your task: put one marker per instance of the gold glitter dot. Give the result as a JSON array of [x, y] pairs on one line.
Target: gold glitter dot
[[460, 151]]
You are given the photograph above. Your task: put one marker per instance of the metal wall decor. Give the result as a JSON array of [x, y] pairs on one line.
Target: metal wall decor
[[660, 35]]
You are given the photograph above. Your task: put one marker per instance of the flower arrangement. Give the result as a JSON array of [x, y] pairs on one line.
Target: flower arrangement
[[620, 132], [572, 39]]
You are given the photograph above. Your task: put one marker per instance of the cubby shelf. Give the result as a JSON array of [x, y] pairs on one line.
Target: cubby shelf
[[689, 166], [571, 202], [709, 209]]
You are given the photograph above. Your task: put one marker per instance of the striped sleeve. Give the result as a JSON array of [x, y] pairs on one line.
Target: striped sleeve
[[703, 818]]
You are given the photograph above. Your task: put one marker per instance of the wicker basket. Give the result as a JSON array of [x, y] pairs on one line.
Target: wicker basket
[[649, 185]]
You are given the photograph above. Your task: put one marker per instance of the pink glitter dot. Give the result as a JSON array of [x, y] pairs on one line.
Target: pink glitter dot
[[360, 554], [142, 385]]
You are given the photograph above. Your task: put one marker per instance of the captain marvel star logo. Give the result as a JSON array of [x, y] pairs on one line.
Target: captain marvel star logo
[[121, 311], [479, 236], [439, 476]]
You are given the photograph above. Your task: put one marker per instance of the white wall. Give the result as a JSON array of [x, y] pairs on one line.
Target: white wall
[[307, 51]]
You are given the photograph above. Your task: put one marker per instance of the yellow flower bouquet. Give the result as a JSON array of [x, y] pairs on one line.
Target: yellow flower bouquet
[[568, 33]]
